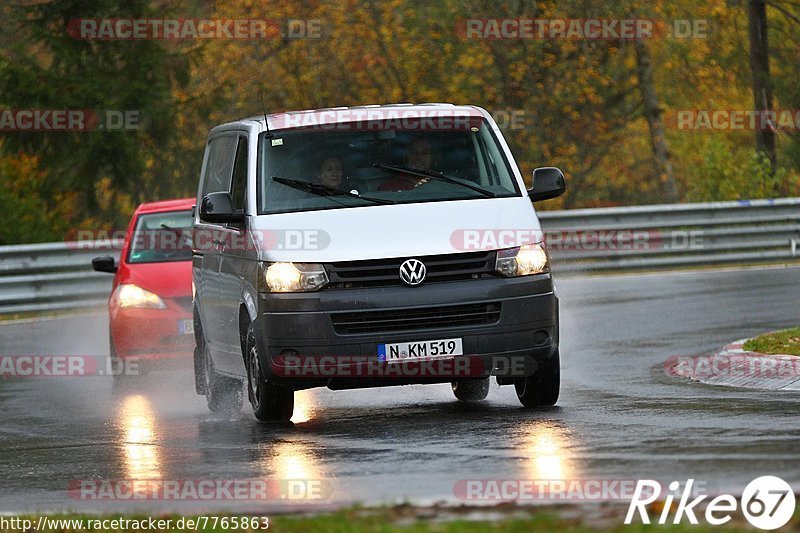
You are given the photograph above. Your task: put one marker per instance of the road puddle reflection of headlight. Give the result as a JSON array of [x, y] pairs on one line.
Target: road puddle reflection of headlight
[[294, 460], [547, 448], [304, 406], [138, 421], [296, 472]]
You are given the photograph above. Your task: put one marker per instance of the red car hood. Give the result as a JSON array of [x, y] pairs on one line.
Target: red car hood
[[169, 279]]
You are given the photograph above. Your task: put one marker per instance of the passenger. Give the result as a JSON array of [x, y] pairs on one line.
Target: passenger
[[331, 172]]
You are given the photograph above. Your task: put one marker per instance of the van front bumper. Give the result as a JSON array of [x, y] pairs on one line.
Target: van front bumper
[[299, 341]]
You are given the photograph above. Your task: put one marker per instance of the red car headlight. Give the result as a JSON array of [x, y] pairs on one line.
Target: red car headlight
[[133, 296]]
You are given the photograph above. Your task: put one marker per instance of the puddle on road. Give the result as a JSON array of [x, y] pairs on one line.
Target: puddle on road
[[141, 453]]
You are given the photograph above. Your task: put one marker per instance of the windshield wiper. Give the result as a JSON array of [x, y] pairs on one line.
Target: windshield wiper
[[323, 190], [432, 174]]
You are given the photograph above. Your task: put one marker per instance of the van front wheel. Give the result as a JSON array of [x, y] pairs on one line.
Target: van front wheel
[[541, 389], [271, 402]]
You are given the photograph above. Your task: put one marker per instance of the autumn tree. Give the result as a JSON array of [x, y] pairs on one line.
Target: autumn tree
[[46, 68], [759, 65]]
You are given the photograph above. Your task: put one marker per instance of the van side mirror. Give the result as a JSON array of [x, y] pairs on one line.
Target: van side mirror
[[104, 264], [548, 182], [217, 208]]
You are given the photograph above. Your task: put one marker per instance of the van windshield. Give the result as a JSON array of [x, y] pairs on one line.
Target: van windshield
[[342, 165]]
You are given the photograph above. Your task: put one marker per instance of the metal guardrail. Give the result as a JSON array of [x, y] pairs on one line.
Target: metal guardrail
[[53, 276], [672, 236]]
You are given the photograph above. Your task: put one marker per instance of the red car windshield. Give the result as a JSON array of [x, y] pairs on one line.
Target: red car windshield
[[162, 237]]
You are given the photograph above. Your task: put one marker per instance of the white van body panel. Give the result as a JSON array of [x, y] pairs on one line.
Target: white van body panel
[[402, 230]]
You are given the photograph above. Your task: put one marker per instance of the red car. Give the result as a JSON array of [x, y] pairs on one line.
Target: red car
[[150, 308]]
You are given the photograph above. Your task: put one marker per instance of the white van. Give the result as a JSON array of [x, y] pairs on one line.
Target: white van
[[370, 246]]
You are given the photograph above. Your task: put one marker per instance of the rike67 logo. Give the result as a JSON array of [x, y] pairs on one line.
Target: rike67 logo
[[767, 502]]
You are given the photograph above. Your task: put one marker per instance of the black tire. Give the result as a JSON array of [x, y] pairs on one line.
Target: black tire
[[225, 395], [119, 375], [471, 390], [542, 388], [199, 354], [271, 402]]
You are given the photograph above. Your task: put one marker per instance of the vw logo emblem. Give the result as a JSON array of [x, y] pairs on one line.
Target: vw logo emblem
[[412, 272]]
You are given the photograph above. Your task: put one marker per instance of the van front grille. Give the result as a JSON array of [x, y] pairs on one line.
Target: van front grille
[[386, 272], [409, 319]]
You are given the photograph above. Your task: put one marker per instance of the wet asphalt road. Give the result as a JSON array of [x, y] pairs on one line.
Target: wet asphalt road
[[619, 416]]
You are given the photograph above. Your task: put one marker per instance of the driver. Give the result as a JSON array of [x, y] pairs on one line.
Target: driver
[[418, 157]]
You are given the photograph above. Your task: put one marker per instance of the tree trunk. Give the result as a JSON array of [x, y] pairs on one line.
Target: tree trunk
[[653, 112], [759, 66]]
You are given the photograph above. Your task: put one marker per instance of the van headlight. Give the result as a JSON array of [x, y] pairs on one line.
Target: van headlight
[[128, 295], [294, 277], [522, 261]]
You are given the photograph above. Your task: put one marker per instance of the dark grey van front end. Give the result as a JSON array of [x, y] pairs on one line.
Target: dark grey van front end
[[321, 338]]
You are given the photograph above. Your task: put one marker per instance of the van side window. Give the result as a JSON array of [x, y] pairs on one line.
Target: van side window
[[219, 167], [239, 185]]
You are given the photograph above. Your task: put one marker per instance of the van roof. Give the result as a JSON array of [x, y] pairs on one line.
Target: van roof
[[279, 121]]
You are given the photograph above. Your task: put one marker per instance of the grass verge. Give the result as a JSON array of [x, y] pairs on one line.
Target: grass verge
[[786, 341]]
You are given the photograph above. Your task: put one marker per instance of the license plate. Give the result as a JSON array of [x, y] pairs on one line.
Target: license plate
[[401, 352], [186, 327]]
